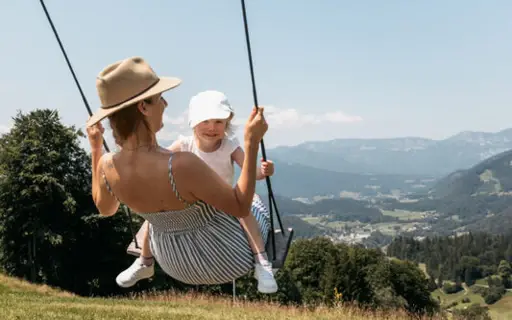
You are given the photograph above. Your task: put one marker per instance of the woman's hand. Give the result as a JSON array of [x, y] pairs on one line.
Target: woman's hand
[[256, 126], [95, 134]]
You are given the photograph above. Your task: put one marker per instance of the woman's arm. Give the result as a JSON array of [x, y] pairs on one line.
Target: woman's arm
[[105, 202], [195, 178]]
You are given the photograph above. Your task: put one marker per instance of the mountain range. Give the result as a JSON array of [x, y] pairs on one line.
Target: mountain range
[[376, 167], [301, 181], [476, 195], [404, 156]]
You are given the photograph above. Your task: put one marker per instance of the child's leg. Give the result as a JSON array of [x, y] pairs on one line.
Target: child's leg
[[252, 229], [142, 268], [263, 268], [146, 255]]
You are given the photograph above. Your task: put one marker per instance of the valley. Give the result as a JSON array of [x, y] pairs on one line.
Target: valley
[[372, 208]]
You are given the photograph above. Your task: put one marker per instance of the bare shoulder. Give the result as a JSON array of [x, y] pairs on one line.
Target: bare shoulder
[[185, 162], [106, 162], [188, 171]]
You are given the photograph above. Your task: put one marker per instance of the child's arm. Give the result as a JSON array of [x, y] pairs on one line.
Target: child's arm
[[268, 166], [176, 146]]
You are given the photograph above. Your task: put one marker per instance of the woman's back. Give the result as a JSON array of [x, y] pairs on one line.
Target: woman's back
[[142, 180]]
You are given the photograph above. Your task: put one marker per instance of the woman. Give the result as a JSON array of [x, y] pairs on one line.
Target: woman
[[195, 235]]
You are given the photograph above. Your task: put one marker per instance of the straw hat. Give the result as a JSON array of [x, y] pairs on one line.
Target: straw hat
[[125, 82]]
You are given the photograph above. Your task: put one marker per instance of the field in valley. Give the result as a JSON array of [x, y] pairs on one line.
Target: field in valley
[[407, 221]]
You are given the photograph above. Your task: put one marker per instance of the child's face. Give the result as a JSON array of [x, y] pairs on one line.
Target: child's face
[[211, 130]]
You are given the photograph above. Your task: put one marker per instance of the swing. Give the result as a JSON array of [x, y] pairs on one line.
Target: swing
[[279, 241]]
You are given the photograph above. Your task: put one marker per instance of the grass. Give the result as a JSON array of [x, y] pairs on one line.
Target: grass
[[423, 267], [388, 228], [22, 300], [501, 310], [488, 177], [404, 215], [450, 298], [311, 219]]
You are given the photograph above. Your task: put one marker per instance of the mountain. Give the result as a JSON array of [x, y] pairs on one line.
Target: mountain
[[302, 181], [408, 155], [491, 176], [478, 198]]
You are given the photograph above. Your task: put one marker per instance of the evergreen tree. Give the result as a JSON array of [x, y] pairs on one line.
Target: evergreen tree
[[51, 232], [504, 269]]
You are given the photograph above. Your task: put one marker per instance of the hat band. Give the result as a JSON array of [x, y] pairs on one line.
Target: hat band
[[134, 96]]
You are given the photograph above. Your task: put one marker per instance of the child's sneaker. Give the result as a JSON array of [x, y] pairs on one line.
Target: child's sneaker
[[263, 273], [137, 271]]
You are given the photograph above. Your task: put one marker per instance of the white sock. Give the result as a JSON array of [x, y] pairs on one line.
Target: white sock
[[260, 257]]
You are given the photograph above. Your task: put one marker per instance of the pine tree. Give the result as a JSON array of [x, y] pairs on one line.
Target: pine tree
[[50, 229]]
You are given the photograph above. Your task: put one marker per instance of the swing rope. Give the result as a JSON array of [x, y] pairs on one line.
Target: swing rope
[[271, 198], [126, 209]]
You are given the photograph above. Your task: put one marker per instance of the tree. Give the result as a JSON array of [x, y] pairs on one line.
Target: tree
[[468, 278], [474, 312], [410, 283], [51, 232], [432, 285], [508, 253], [504, 269], [308, 261]]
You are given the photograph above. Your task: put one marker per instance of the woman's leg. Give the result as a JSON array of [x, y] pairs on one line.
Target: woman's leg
[[142, 268]]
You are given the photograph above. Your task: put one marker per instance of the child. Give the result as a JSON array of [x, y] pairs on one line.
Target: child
[[210, 117]]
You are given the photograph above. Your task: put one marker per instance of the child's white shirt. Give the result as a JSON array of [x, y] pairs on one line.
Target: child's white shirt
[[219, 160]]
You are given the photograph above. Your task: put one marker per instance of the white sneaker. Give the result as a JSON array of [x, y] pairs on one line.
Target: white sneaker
[[263, 273], [137, 271]]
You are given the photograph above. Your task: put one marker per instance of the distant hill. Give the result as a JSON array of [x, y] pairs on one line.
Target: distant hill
[[332, 209], [295, 180], [302, 229], [408, 155], [478, 198], [499, 223], [491, 176]]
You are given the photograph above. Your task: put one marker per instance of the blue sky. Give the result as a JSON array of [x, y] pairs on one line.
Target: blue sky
[[326, 69]]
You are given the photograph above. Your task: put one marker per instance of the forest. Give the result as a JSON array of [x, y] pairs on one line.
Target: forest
[[462, 259]]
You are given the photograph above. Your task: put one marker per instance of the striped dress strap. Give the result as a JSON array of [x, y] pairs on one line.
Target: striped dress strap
[[173, 185]]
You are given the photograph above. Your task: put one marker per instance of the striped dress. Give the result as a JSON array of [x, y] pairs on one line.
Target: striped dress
[[201, 244]]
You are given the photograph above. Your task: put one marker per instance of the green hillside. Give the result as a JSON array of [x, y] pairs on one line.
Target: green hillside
[[491, 176], [338, 209], [21, 300], [479, 198]]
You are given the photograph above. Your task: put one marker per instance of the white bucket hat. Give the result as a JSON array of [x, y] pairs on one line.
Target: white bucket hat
[[208, 105]]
